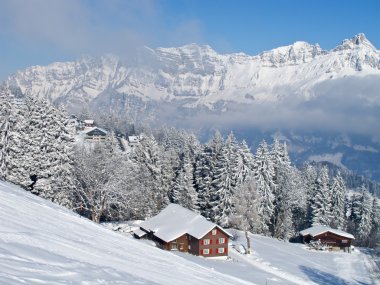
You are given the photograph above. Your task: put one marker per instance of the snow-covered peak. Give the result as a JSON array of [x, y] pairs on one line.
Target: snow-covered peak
[[189, 49], [358, 41], [299, 52]]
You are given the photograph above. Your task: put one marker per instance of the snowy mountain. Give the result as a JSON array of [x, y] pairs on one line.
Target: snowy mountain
[[200, 74], [297, 88], [42, 243]]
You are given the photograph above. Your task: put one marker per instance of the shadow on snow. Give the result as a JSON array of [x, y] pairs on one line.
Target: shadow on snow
[[324, 278]]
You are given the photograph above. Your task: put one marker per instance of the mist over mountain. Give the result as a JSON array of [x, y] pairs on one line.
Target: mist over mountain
[[325, 104]]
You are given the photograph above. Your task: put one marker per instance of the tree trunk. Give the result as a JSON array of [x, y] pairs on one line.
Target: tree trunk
[[248, 242]]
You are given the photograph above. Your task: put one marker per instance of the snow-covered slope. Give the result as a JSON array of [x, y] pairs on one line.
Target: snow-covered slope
[[42, 243], [200, 74]]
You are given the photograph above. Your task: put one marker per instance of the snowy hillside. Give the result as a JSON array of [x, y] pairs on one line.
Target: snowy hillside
[[42, 243]]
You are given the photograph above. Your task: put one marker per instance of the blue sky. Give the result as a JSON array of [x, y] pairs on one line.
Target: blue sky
[[38, 32]]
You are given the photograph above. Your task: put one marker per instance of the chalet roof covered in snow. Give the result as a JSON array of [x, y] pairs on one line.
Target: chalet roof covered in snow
[[175, 221], [317, 230], [95, 131]]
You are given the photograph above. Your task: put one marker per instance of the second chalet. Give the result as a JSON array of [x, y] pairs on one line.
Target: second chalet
[[177, 228]]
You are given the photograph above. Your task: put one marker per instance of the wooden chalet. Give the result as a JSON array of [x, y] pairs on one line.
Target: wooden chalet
[[96, 134], [88, 123], [177, 228], [332, 238]]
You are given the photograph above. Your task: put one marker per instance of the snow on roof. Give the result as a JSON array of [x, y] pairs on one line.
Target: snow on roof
[[86, 131], [175, 221], [88, 121], [317, 230], [133, 139]]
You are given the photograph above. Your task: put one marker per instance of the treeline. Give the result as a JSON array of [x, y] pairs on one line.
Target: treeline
[[222, 179]]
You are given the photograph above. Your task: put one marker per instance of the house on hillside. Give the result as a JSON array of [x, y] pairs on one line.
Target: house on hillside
[[332, 238], [88, 123], [96, 134], [177, 228], [133, 140]]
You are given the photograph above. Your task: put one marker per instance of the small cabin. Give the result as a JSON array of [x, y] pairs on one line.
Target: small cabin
[[177, 228], [133, 140], [332, 238], [88, 123]]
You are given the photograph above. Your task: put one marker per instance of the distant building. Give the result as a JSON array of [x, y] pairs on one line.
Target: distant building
[[133, 140], [177, 228], [96, 134], [88, 123], [332, 238]]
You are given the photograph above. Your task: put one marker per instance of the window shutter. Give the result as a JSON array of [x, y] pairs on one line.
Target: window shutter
[[202, 243], [210, 241], [201, 251], [217, 241], [210, 250]]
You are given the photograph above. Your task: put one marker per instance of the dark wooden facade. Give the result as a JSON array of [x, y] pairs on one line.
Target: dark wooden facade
[[330, 239], [96, 134]]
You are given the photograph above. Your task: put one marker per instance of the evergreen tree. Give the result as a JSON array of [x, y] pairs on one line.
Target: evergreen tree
[[264, 174], [364, 225], [338, 192], [205, 173], [184, 192], [309, 177], [283, 202], [374, 239], [322, 200], [7, 122]]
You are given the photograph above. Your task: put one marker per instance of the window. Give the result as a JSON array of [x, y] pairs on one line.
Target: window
[[214, 231], [206, 251], [221, 250], [344, 241], [206, 241], [173, 246], [222, 240]]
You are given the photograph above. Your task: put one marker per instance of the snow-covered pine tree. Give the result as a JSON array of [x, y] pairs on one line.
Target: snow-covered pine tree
[[183, 190], [282, 226], [149, 156], [245, 163], [364, 225], [374, 238], [322, 200], [40, 148], [204, 174], [264, 173], [7, 121], [338, 194], [224, 181], [309, 177]]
